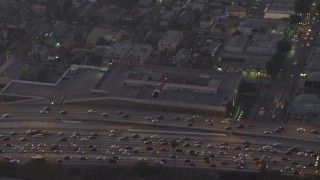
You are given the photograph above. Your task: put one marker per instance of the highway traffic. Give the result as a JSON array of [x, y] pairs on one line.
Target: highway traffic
[[106, 136]]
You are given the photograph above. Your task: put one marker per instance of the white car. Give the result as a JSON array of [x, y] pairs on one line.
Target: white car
[[302, 154], [301, 130], [242, 155], [43, 112], [83, 139], [225, 121], [266, 147], [114, 147], [148, 118], [7, 115], [277, 144], [92, 111], [267, 132], [155, 121], [100, 158]]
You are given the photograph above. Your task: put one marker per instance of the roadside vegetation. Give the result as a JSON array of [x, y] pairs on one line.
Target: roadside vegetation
[[140, 171]]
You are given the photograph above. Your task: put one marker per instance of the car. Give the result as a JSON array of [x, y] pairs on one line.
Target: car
[[177, 118], [211, 146], [155, 121], [222, 153], [92, 111], [23, 139], [43, 111], [83, 139], [60, 160], [125, 115], [237, 148], [38, 136], [7, 115], [95, 134], [267, 132], [13, 133], [277, 130], [288, 152], [296, 172], [158, 163], [83, 158], [189, 124], [135, 136], [148, 118], [240, 126], [277, 144], [120, 112], [164, 149], [63, 139], [135, 151], [302, 154], [225, 121], [281, 128], [116, 157], [173, 156], [192, 164], [105, 114], [250, 125], [47, 108], [180, 150], [5, 139], [67, 157], [313, 131], [63, 112], [262, 107], [160, 117], [301, 130]]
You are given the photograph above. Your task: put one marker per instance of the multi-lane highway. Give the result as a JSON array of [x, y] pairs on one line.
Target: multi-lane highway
[[77, 119]]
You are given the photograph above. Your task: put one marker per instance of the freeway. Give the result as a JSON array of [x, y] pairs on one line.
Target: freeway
[[27, 116], [80, 113]]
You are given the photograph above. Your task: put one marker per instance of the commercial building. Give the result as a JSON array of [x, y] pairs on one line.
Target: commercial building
[[170, 41], [279, 9]]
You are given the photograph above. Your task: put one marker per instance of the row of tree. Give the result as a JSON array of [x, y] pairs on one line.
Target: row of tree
[[275, 64]]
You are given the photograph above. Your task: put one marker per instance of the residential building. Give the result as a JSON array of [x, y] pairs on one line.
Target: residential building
[[132, 17], [165, 17], [238, 11], [38, 10], [111, 14], [127, 53], [138, 54], [170, 41], [198, 6], [12, 69]]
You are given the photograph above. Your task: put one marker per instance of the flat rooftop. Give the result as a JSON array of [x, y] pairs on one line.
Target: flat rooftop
[[115, 86], [183, 86], [238, 41]]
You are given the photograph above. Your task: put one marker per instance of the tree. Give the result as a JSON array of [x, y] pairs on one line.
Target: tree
[[302, 6], [295, 19], [283, 46], [174, 144], [72, 16], [101, 41], [273, 66]]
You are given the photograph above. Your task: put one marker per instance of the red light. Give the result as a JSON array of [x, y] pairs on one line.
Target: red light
[[165, 78]]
